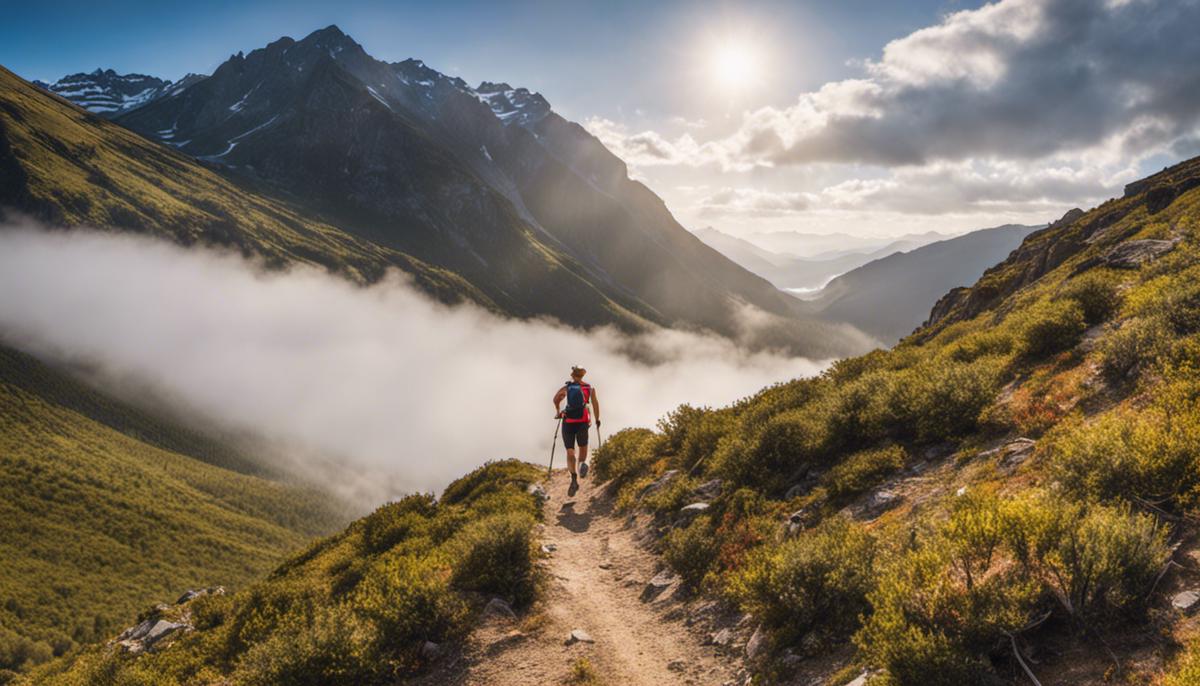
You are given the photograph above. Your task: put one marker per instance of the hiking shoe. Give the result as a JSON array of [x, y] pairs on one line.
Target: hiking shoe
[[583, 470], [573, 488]]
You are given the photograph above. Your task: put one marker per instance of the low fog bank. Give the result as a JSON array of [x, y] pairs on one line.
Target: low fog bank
[[392, 390]]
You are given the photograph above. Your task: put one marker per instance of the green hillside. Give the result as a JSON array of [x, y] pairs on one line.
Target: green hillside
[[1016, 475], [65, 166], [355, 608], [104, 509]]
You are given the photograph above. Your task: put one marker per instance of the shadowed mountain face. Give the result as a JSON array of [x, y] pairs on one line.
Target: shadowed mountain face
[[889, 297], [486, 182]]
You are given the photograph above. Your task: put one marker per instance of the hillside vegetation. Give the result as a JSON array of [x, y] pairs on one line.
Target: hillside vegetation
[[104, 509], [1022, 473], [370, 605]]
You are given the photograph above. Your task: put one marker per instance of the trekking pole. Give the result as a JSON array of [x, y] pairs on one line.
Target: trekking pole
[[553, 445]]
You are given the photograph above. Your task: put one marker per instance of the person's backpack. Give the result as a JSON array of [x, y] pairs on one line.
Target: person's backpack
[[576, 402]]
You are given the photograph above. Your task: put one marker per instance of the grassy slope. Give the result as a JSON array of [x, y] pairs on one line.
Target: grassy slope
[[1094, 363], [97, 518], [357, 607], [68, 167]]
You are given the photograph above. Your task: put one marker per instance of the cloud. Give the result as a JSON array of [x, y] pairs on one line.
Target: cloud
[[980, 187], [402, 393], [651, 149], [1017, 79], [754, 202]]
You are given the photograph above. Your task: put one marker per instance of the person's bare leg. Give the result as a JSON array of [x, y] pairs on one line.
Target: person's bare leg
[[571, 460], [583, 453]]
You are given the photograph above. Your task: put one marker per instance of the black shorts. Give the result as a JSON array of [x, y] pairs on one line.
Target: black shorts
[[575, 432]]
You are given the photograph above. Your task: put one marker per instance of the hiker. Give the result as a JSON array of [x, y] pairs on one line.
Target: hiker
[[576, 418]]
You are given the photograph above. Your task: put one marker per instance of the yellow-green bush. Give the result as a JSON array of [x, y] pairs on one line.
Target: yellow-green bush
[[691, 550], [626, 455], [494, 556], [1097, 294], [863, 470], [815, 582], [1048, 328], [1097, 560], [1138, 344], [1149, 455], [1186, 671]]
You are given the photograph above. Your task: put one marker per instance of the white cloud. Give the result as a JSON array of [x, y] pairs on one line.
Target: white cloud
[[401, 392], [754, 202]]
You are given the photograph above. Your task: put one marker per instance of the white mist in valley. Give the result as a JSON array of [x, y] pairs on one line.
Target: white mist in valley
[[400, 392]]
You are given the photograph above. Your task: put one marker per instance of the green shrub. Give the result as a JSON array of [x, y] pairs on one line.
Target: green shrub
[[1151, 454], [947, 397], [816, 582], [788, 443], [494, 555], [1051, 328], [396, 521], [1097, 294], [863, 471], [1181, 307], [1138, 344], [1186, 671], [626, 456], [334, 647], [941, 606], [1096, 559], [690, 551]]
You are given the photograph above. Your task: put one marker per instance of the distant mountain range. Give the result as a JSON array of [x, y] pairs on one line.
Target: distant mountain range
[[108, 93], [890, 297], [485, 192], [804, 275]]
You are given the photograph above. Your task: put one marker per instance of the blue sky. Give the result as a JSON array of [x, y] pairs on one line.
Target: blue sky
[[872, 117], [588, 58]]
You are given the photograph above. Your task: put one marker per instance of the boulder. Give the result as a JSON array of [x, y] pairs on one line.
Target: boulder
[[758, 641], [199, 592], [579, 636], [860, 680], [723, 638], [430, 650], [1011, 454], [658, 484], [656, 586], [708, 490], [875, 505], [1133, 254], [1186, 602], [499, 608], [688, 512], [161, 629], [537, 491]]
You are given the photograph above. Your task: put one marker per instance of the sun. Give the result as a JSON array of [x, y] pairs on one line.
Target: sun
[[735, 65]]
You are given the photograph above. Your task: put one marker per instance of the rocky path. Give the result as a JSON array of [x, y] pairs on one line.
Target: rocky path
[[597, 575]]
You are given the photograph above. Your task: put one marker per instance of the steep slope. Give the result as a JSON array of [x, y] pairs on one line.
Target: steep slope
[[890, 296], [1009, 495], [373, 604], [104, 509], [489, 183]]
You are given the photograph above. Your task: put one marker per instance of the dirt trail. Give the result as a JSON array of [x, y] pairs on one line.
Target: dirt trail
[[596, 576]]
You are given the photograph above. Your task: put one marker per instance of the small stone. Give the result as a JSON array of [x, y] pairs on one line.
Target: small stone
[[1187, 601], [579, 636], [161, 629], [537, 491], [655, 587], [430, 650], [709, 489], [860, 680], [499, 608], [756, 643], [961, 492], [605, 565], [677, 665], [723, 638], [549, 548]]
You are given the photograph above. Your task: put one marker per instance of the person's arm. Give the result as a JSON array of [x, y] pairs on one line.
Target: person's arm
[[596, 406], [558, 398]]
